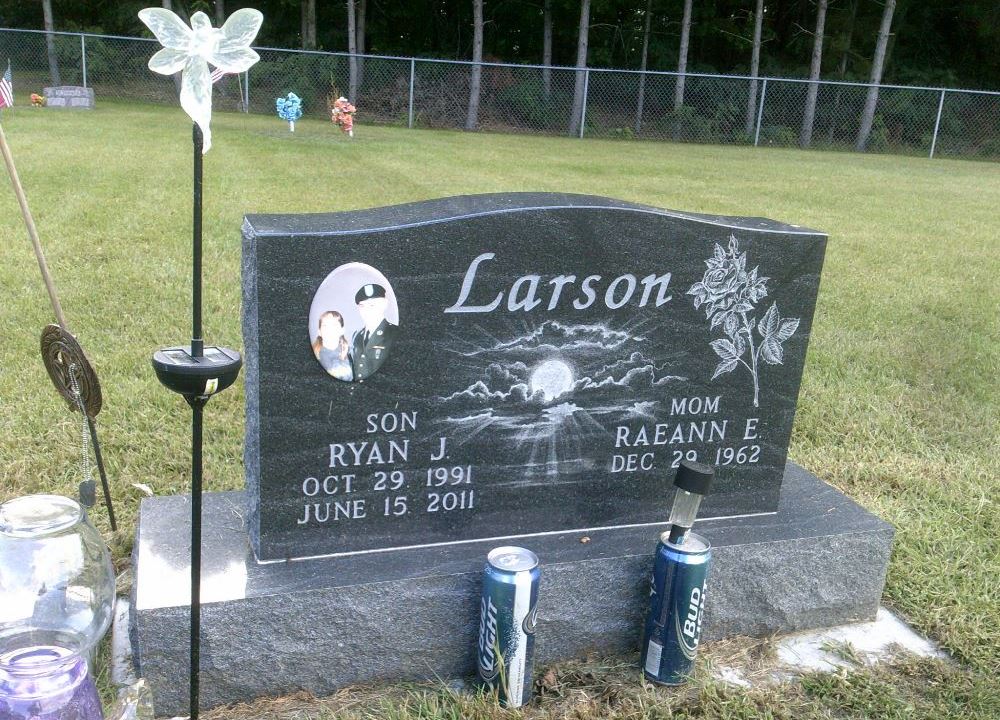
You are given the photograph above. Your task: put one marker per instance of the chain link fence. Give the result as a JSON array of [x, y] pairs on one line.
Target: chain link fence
[[625, 104]]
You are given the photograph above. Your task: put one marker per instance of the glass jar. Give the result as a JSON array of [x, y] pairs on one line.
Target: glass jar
[[46, 682], [57, 591]]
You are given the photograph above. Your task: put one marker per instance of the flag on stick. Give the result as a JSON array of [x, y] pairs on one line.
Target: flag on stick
[[7, 89]]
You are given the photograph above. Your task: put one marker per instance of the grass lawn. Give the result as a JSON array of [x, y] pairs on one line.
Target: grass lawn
[[899, 405]]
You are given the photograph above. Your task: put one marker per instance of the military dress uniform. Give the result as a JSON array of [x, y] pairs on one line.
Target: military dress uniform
[[370, 349]]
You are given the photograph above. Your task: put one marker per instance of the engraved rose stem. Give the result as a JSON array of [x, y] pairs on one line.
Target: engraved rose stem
[[753, 357]]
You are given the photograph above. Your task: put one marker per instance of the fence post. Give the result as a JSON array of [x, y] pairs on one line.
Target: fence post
[[83, 57], [413, 73], [583, 108], [760, 112], [937, 123]]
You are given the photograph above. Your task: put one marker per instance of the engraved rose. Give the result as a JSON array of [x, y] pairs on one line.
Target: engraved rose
[[729, 295], [721, 282]]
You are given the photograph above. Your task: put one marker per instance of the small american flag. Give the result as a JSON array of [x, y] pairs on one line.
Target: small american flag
[[217, 75], [7, 89]]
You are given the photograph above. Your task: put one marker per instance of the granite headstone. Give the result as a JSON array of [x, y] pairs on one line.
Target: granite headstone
[[529, 364], [427, 381], [69, 96]]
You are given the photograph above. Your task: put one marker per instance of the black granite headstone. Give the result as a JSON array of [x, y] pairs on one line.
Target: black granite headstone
[[508, 365]]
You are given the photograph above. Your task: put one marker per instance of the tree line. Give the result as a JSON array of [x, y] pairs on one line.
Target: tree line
[[945, 42]]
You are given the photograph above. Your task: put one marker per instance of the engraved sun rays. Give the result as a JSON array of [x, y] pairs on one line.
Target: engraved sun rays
[[545, 385]]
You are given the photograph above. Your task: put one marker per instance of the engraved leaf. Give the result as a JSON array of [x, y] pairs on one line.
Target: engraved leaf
[[732, 325], [696, 289], [768, 325], [720, 254], [740, 344], [725, 349], [724, 367], [771, 351], [787, 328], [718, 320]]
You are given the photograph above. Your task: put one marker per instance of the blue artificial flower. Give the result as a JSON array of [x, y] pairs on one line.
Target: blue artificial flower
[[289, 107]]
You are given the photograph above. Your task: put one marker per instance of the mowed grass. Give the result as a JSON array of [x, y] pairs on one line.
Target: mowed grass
[[898, 407]]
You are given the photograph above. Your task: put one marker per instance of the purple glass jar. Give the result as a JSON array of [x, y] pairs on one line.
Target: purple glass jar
[[47, 683]]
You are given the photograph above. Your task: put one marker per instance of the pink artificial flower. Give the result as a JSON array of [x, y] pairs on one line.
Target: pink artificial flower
[[342, 113]]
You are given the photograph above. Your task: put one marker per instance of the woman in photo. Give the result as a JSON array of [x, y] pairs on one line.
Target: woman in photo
[[331, 347]]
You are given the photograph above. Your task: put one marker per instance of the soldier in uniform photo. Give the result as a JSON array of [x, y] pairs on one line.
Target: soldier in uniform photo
[[371, 343]]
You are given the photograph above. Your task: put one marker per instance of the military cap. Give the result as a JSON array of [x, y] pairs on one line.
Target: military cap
[[369, 291]]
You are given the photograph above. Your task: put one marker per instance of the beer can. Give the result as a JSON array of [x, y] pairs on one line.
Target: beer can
[[507, 615], [676, 604]]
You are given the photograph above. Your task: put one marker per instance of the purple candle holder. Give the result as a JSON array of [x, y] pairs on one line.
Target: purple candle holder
[[47, 682]]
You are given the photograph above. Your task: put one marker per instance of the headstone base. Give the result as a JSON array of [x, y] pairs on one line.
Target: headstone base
[[321, 624]]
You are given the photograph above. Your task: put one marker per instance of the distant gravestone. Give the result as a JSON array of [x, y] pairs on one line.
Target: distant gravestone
[[511, 365], [69, 96]]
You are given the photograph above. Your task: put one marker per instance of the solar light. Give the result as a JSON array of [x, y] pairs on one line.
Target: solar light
[[693, 482], [195, 371]]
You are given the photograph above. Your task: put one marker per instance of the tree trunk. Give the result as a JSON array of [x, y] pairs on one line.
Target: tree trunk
[[842, 73], [642, 66], [352, 48], [868, 115], [682, 58], [576, 116], [809, 115], [362, 16], [220, 12], [50, 42], [758, 25], [547, 49], [308, 24], [472, 118]]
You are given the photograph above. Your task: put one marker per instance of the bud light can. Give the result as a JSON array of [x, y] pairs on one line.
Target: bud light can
[[676, 604], [507, 616]]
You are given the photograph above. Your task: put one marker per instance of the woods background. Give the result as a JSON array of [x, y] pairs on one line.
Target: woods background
[[943, 43]]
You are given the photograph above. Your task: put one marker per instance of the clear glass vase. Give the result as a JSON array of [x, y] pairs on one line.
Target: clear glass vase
[[57, 591]]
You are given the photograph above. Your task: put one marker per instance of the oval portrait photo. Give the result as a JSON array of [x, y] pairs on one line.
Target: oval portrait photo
[[353, 322]]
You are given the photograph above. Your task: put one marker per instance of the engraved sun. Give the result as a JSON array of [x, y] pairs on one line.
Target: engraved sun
[[552, 378]]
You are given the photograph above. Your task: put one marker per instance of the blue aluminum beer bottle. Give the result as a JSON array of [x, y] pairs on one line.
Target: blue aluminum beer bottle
[[678, 584], [507, 616]]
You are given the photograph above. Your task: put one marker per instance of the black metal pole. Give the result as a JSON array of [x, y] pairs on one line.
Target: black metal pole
[[100, 469], [187, 371], [197, 343], [197, 404]]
